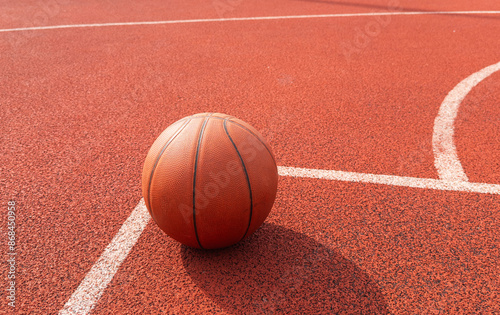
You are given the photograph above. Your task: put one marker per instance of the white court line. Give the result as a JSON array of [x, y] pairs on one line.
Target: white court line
[[261, 18], [90, 290], [393, 180], [445, 154], [97, 279], [95, 282]]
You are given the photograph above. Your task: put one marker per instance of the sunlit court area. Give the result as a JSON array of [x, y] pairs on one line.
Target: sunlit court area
[[250, 157]]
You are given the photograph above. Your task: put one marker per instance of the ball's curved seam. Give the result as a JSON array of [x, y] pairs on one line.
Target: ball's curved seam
[[246, 176], [158, 159], [256, 136], [207, 118], [229, 119]]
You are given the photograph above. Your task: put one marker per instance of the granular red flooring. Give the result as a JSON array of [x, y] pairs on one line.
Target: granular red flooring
[[80, 108]]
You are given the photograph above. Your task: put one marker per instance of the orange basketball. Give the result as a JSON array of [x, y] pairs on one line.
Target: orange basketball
[[209, 180]]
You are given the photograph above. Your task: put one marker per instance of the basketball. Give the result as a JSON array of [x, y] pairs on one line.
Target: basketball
[[209, 180]]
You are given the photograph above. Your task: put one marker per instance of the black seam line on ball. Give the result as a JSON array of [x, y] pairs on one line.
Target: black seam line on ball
[[207, 118], [246, 175], [252, 133], [241, 126], [159, 156]]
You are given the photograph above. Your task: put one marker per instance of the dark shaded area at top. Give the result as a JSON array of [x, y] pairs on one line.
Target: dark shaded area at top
[[398, 8]]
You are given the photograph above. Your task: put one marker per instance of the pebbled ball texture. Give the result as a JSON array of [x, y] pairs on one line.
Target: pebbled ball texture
[[209, 180]]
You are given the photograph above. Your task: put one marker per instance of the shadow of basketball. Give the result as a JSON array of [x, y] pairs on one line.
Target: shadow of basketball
[[277, 270]]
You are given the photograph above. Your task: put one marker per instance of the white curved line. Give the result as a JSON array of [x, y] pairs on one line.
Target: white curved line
[[445, 154], [88, 293], [258, 18]]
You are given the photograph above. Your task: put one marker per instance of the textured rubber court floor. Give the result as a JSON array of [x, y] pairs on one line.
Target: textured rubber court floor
[[383, 116]]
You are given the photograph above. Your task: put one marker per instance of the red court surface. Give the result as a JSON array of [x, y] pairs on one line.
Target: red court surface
[[331, 85]]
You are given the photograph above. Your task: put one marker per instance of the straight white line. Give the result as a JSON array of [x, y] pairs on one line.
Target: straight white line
[[446, 159], [100, 275], [260, 18], [97, 279], [414, 182]]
